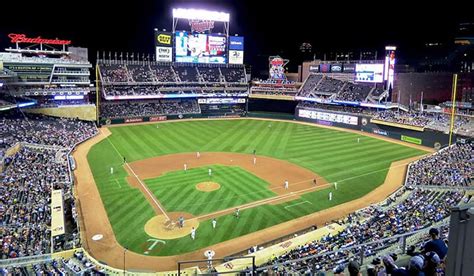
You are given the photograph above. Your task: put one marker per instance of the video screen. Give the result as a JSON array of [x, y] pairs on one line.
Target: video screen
[[200, 48], [369, 73]]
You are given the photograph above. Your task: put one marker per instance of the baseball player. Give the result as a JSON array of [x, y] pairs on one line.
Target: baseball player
[[111, 170], [358, 139], [335, 185], [198, 154], [255, 160], [185, 167], [237, 212], [124, 160], [254, 152], [314, 181], [214, 223], [181, 222], [210, 172], [286, 184], [330, 196], [193, 233]]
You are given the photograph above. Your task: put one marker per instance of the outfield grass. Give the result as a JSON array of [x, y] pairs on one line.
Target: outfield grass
[[174, 189], [335, 155]]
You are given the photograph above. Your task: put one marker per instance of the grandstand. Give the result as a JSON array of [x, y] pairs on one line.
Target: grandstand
[[340, 125]]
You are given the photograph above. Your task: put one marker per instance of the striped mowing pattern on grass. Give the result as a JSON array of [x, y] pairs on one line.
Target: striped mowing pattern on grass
[[335, 155], [177, 190]]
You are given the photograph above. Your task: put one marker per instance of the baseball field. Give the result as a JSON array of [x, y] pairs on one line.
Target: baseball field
[[145, 196]]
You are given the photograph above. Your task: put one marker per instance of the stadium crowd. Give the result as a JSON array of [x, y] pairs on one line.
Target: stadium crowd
[[124, 109], [166, 73], [78, 264], [419, 210], [463, 125], [452, 166], [29, 175]]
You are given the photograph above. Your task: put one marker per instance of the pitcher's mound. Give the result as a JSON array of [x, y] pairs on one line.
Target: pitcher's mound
[[208, 186], [161, 228]]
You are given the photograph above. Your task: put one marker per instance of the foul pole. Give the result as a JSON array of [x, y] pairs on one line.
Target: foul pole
[[453, 101]]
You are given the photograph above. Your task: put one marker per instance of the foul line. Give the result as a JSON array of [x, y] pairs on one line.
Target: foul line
[[118, 183], [281, 197], [141, 183], [298, 204]]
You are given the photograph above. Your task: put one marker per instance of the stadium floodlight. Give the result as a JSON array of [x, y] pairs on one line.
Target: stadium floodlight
[[390, 48], [195, 14]]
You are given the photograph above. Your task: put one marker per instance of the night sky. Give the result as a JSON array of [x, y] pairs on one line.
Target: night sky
[[269, 29]]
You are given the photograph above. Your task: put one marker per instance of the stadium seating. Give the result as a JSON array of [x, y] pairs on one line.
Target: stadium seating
[[114, 73], [28, 177], [125, 109], [354, 93], [452, 166]]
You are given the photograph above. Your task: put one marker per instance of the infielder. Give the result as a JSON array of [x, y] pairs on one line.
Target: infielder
[[210, 172], [111, 170], [198, 154], [185, 167], [286, 184], [314, 181], [358, 140], [214, 223], [193, 233], [237, 212], [330, 196], [255, 160], [335, 185]]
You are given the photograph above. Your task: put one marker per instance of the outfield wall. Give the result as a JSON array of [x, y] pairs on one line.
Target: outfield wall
[[425, 137]]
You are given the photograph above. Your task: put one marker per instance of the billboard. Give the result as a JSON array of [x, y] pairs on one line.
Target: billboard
[[200, 48], [349, 68], [314, 68], [328, 117], [277, 67], [369, 73], [336, 68], [221, 101], [324, 68], [236, 43], [236, 57], [164, 54], [163, 39]]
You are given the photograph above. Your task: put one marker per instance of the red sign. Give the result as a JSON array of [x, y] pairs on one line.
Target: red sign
[[134, 120], [201, 25], [21, 38]]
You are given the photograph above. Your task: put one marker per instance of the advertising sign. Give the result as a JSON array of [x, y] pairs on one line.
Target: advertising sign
[[329, 117], [236, 43], [369, 73], [164, 54], [236, 57]]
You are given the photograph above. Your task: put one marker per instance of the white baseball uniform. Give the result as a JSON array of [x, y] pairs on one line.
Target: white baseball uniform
[[214, 223]]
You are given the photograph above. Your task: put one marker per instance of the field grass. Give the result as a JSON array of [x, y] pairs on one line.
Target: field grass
[[175, 189], [335, 155]]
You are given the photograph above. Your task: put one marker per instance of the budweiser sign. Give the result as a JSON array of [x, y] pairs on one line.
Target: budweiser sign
[[201, 25], [21, 38]]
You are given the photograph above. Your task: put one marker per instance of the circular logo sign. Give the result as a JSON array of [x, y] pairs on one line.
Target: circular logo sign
[[364, 121]]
